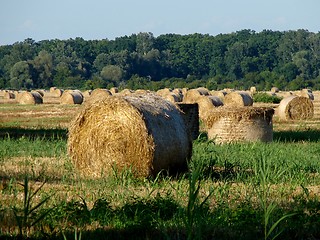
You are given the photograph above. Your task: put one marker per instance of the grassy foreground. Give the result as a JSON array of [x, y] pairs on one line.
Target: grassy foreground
[[236, 191]]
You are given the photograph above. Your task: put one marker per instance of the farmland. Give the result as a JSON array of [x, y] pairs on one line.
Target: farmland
[[231, 191]]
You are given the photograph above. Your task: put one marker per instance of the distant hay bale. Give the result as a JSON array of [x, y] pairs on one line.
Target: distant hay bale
[[52, 89], [238, 99], [125, 92], [203, 91], [143, 132], [56, 92], [8, 95], [98, 94], [307, 94], [40, 91], [295, 108], [71, 97], [242, 124], [30, 98], [172, 97], [205, 102], [220, 94], [114, 90], [143, 91], [192, 95], [191, 118], [253, 90], [274, 90], [163, 91], [86, 94]]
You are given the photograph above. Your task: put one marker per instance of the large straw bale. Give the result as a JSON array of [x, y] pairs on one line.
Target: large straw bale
[[143, 132], [226, 125], [30, 98], [71, 97], [295, 108], [238, 99]]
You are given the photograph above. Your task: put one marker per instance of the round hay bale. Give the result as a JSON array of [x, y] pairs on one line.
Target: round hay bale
[[274, 90], [220, 94], [172, 97], [126, 92], [295, 108], [87, 94], [30, 98], [100, 93], [52, 89], [203, 91], [306, 94], [40, 91], [253, 90], [56, 92], [114, 90], [164, 91], [243, 124], [8, 95], [71, 97], [143, 132], [238, 99], [192, 95]]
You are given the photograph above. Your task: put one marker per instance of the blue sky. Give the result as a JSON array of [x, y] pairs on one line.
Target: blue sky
[[100, 19]]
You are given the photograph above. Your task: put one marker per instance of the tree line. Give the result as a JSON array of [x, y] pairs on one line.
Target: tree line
[[289, 60]]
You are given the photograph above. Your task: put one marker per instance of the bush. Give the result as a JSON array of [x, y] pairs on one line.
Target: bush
[[266, 98]]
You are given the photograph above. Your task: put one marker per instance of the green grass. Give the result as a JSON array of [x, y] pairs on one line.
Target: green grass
[[234, 191]]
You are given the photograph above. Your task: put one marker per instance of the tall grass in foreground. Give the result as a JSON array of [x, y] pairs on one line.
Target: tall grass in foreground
[[235, 191]]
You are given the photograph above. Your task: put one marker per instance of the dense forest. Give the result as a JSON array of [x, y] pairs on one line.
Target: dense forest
[[289, 60]]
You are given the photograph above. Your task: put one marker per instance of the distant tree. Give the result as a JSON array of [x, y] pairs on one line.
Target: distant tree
[[111, 73], [43, 65], [20, 75]]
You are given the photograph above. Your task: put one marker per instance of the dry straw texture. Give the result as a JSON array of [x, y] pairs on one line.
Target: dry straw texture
[[295, 108], [30, 98], [227, 125], [205, 102], [71, 97], [143, 132], [238, 99], [8, 95]]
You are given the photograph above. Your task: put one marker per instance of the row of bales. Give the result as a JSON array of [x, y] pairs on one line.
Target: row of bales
[[153, 131]]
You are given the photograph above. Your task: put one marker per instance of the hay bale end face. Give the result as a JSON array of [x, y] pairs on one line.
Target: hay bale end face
[[244, 124], [295, 108], [30, 98], [143, 132]]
